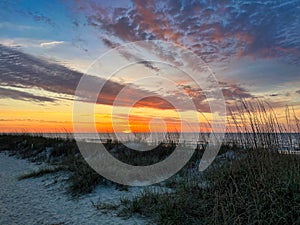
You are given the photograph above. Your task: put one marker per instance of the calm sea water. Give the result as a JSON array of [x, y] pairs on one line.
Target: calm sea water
[[285, 141]]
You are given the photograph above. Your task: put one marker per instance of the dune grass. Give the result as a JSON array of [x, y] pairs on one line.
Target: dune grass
[[66, 156], [83, 179], [40, 172], [263, 188]]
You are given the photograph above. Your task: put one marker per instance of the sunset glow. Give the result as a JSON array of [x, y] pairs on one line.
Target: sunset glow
[[254, 55]]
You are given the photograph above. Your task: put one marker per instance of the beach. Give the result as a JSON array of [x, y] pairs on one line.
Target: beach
[[43, 200]]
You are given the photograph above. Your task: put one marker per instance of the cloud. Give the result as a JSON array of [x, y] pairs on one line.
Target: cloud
[[16, 26], [215, 31], [51, 43], [262, 75], [232, 91], [35, 120], [20, 95], [24, 71], [38, 17]]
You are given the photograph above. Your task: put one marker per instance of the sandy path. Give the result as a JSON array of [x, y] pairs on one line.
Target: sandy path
[[39, 201]]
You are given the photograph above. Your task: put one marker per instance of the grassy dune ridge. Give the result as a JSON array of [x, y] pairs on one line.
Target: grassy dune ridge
[[262, 188], [63, 155]]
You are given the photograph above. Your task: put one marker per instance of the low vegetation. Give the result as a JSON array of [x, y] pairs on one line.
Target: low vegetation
[[263, 188], [40, 172], [255, 185], [63, 155], [260, 186]]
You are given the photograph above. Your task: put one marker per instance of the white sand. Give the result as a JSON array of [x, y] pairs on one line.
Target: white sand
[[40, 201]]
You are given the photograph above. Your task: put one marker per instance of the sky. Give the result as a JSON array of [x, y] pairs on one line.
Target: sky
[[252, 47]]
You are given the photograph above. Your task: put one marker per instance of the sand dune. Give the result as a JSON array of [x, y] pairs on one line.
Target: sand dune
[[43, 201]]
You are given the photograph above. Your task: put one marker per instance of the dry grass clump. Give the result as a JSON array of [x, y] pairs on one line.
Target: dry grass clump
[[263, 188]]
